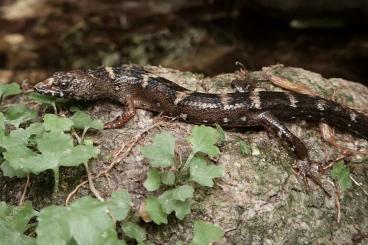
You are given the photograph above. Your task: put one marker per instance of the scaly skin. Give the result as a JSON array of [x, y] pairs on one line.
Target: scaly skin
[[135, 88]]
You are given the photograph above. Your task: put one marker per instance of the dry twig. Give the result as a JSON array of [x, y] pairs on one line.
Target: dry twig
[[21, 200]]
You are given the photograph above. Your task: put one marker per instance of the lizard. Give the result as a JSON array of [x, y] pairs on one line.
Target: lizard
[[135, 87]]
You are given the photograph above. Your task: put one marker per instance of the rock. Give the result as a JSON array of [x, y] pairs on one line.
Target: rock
[[259, 200]]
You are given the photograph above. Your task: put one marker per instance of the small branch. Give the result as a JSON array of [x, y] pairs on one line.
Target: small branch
[[21, 200], [91, 185], [337, 204], [71, 194], [118, 156], [358, 184]]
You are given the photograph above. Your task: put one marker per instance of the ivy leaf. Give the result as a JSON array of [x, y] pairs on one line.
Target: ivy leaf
[[203, 139], [221, 132], [168, 178], [9, 235], [244, 148], [14, 221], [9, 89], [56, 150], [35, 129], [8, 171], [183, 192], [16, 138], [153, 181], [153, 208], [17, 217], [175, 200], [206, 233], [47, 100], [119, 204], [57, 124], [161, 152], [85, 221], [341, 174], [134, 231], [82, 120], [204, 173], [2, 123], [18, 114]]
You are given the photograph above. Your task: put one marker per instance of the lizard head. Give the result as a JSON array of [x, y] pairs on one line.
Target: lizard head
[[77, 84]]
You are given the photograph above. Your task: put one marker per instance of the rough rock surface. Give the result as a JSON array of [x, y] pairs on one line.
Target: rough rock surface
[[259, 200]]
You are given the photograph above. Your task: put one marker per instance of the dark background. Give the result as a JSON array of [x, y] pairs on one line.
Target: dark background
[[38, 37]]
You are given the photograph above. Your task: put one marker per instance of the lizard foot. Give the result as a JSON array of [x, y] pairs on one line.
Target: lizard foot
[[303, 168]]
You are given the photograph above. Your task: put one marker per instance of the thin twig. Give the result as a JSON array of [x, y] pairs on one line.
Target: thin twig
[[337, 204], [71, 194], [358, 184], [118, 156], [21, 200], [91, 185]]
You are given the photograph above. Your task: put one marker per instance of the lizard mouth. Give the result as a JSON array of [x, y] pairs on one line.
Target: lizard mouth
[[47, 88]]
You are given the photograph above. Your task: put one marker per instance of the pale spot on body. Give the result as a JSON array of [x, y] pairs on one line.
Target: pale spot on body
[[243, 119], [183, 116], [180, 95], [226, 120], [145, 81], [255, 100], [110, 71], [292, 100], [321, 105], [353, 117]]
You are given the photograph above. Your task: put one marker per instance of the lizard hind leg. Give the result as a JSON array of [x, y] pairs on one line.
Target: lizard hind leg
[[125, 117], [303, 163]]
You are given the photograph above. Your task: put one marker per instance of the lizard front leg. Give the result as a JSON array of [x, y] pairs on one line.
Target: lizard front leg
[[303, 163], [242, 86], [125, 117]]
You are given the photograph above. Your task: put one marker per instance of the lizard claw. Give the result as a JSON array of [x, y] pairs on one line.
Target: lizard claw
[[303, 168]]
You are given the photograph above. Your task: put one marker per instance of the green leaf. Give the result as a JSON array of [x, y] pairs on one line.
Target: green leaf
[[168, 178], [8, 171], [153, 181], [18, 114], [17, 217], [55, 123], [56, 150], [82, 120], [35, 129], [204, 173], [17, 138], [183, 192], [43, 99], [153, 208], [245, 149], [134, 231], [161, 152], [47, 100], [120, 204], [175, 200], [10, 235], [86, 221], [206, 233], [203, 139], [341, 174], [14, 221], [9, 89], [221, 132], [2, 123]]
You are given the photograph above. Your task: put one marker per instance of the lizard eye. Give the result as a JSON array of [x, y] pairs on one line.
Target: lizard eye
[[64, 85]]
